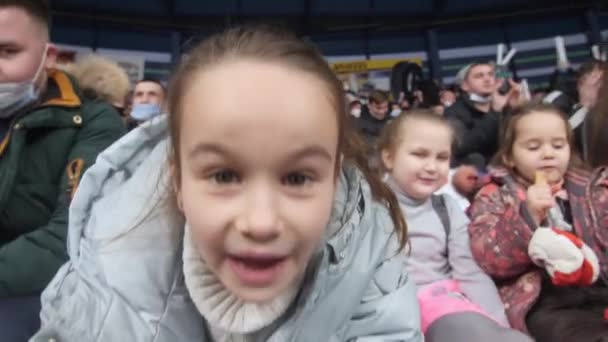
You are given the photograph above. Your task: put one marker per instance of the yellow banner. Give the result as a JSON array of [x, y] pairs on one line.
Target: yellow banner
[[370, 65]]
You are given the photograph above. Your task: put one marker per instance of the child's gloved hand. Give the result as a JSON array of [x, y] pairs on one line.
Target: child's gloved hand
[[568, 260]]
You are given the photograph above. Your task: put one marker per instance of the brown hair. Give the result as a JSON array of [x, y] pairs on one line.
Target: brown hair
[[508, 134], [391, 134], [38, 9], [277, 46], [378, 96], [588, 67], [596, 140]]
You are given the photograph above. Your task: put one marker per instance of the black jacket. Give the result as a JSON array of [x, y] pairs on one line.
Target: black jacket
[[369, 126], [476, 132]]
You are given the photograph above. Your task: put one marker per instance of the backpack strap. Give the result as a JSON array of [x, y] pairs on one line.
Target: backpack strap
[[440, 207]]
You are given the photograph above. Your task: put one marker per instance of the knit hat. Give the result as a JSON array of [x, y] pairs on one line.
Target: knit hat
[[463, 73]]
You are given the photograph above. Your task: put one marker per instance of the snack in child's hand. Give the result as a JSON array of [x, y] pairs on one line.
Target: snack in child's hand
[[540, 178]]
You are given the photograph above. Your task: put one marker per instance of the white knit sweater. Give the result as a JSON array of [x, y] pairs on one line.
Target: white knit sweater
[[229, 317]]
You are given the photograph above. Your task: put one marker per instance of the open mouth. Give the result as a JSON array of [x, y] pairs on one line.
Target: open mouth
[[257, 271]]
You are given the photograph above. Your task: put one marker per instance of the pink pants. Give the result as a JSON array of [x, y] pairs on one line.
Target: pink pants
[[442, 298]]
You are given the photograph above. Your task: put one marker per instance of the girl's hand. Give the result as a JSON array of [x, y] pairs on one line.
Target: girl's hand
[[539, 201]]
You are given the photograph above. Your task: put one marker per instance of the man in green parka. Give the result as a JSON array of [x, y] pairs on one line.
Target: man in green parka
[[49, 135]]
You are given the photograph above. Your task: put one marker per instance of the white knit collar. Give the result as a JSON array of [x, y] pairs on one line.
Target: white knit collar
[[223, 310]]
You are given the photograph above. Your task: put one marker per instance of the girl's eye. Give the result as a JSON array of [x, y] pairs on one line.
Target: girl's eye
[[443, 158], [7, 52], [533, 147], [296, 179], [224, 177]]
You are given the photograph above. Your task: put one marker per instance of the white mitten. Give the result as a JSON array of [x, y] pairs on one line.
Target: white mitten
[[565, 257]]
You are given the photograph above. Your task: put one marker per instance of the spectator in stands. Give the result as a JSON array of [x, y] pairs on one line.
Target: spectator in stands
[[539, 229], [596, 126], [148, 100], [271, 226], [50, 135], [374, 116], [447, 96], [477, 114], [589, 81], [101, 77], [465, 180], [354, 108]]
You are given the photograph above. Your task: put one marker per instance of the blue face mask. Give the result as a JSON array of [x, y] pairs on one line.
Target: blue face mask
[[395, 113], [18, 95], [145, 111]]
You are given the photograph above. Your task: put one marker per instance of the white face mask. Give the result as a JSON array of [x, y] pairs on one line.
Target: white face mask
[[480, 99], [14, 96], [356, 112]]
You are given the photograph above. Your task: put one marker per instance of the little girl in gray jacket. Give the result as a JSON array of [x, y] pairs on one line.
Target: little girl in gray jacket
[[458, 301]]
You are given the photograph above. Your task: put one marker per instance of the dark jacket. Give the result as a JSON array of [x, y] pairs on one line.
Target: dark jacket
[[500, 234], [477, 132], [369, 126], [42, 157]]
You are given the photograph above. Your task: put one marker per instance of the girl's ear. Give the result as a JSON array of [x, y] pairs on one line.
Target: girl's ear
[[387, 159]]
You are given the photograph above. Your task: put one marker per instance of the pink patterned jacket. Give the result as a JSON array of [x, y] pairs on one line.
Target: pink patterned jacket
[[500, 234]]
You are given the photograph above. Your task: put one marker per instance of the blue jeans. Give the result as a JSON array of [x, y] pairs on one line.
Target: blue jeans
[[19, 318]]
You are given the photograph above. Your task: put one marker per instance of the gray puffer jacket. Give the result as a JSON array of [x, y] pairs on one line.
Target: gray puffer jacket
[[124, 280]]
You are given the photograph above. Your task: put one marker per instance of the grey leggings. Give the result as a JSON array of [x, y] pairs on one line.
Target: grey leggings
[[471, 327]]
